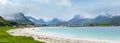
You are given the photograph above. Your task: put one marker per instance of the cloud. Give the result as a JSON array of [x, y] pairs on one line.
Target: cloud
[[64, 3], [4, 2], [62, 9]]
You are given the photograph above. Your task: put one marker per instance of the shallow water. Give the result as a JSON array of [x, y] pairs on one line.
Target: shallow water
[[109, 33]]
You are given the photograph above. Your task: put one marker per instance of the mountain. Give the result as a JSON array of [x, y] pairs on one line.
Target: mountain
[[54, 21], [100, 19], [77, 19], [74, 19], [113, 20], [39, 21], [19, 18]]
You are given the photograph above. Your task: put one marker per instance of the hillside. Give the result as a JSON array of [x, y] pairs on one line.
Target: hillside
[[3, 21]]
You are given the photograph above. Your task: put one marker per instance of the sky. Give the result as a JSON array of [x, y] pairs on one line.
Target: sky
[[61, 9]]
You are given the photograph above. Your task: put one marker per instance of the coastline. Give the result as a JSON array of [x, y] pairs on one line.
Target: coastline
[[49, 38]]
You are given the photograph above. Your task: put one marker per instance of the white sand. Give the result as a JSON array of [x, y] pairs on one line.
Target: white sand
[[50, 38]]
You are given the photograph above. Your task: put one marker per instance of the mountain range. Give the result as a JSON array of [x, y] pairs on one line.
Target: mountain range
[[42, 22], [20, 18], [101, 19], [77, 19]]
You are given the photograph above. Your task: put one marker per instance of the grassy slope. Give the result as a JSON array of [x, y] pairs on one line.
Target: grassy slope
[[2, 20], [6, 38]]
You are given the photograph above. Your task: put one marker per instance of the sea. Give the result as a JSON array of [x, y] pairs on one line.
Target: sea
[[107, 33]]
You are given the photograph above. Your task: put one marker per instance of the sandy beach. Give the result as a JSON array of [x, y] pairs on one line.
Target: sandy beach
[[50, 38]]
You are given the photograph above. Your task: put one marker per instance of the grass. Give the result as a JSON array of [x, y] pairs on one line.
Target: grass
[[6, 38]]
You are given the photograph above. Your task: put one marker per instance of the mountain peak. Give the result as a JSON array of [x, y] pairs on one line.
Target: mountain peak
[[41, 19], [20, 14], [76, 17], [54, 21], [105, 15]]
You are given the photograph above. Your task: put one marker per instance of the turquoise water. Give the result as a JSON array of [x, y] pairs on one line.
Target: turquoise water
[[111, 33]]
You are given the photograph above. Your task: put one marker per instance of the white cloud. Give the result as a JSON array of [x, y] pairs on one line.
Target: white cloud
[[5, 2], [42, 1], [64, 3], [54, 2], [49, 9]]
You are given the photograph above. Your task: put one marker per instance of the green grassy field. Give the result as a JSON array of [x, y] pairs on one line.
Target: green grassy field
[[6, 38]]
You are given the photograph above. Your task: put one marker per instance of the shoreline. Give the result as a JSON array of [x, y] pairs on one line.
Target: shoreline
[[49, 38]]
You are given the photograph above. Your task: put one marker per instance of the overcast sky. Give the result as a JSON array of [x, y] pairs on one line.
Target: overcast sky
[[61, 9]]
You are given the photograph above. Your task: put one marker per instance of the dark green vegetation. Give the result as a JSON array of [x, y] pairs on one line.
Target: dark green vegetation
[[3, 22], [6, 38]]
